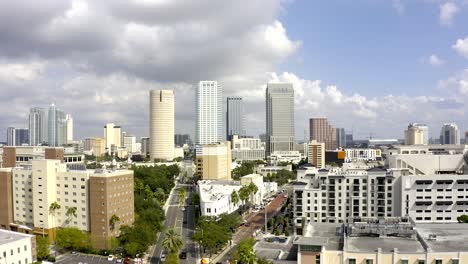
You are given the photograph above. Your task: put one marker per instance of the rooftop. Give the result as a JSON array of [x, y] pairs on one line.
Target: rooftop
[[387, 244], [448, 237], [320, 234], [7, 237]]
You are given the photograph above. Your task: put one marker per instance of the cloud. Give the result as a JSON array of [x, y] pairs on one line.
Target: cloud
[[448, 11], [434, 60], [461, 46], [15, 73]]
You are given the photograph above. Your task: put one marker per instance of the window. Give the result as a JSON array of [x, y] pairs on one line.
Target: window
[[404, 261], [455, 261], [438, 261], [421, 261], [369, 261], [352, 261]]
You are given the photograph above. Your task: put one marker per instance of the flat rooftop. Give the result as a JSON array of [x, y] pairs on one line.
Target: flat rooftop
[[387, 244], [320, 234], [7, 237], [450, 237]]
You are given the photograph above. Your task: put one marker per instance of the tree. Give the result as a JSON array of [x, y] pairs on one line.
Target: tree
[[182, 195], [52, 210], [172, 241], [113, 220], [263, 261], [234, 198], [246, 252], [246, 167], [159, 195], [244, 193], [71, 213], [172, 258], [462, 219], [43, 250], [71, 238]]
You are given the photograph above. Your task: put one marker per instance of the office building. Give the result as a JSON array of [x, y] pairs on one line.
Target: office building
[[234, 117], [213, 161], [449, 134], [17, 247], [145, 146], [112, 137], [279, 117], [362, 154], [69, 128], [21, 136], [56, 127], [466, 138], [340, 138], [383, 241], [209, 113], [162, 124], [37, 126], [95, 145], [11, 136], [316, 154], [182, 139], [416, 134], [130, 144], [349, 140], [322, 131], [244, 148]]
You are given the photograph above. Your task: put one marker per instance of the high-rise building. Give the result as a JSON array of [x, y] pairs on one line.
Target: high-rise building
[[145, 146], [449, 134], [95, 145], [209, 112], [349, 140], [162, 124], [316, 154], [181, 139], [279, 117], [37, 126], [322, 131], [130, 144], [21, 136], [213, 161], [112, 137], [466, 137], [416, 134], [234, 117], [11, 136], [341, 137], [56, 127], [69, 124]]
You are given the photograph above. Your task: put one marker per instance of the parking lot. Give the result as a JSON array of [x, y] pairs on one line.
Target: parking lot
[[84, 259]]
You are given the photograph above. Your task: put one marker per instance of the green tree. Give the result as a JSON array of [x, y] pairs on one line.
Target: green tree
[[71, 213], [113, 220], [182, 194], [246, 167], [160, 195], [244, 194], [172, 258], [43, 248], [172, 241], [72, 238], [462, 219], [53, 209], [246, 251], [263, 261], [234, 198]]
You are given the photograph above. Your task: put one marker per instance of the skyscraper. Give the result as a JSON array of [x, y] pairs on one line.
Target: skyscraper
[[234, 117], [209, 112], [37, 126], [162, 124], [21, 136], [181, 139], [56, 127], [449, 134], [279, 117], [341, 137], [112, 137], [69, 124], [11, 136], [416, 134], [322, 131]]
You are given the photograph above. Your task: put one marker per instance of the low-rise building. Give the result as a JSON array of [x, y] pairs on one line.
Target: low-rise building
[[257, 179], [17, 247], [265, 170], [361, 154], [285, 156], [215, 197], [247, 148]]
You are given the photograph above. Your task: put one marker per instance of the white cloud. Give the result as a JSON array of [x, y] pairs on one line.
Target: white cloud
[[15, 73], [447, 13], [461, 46], [434, 60]]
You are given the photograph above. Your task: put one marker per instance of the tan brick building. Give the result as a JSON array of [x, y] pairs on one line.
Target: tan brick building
[[213, 161]]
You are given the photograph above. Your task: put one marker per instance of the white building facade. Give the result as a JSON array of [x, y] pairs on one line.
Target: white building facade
[[209, 113], [17, 248], [215, 197], [362, 154], [247, 149], [286, 156]]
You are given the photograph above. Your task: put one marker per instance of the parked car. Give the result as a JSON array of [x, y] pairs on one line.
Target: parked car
[[119, 260], [163, 257], [110, 258], [126, 261], [183, 255]]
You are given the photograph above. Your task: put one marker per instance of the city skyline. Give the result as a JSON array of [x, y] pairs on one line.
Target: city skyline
[[380, 96]]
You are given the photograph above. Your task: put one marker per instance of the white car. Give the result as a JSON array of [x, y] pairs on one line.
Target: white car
[[163, 257], [110, 258]]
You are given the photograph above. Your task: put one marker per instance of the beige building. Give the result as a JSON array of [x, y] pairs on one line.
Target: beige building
[[162, 124], [257, 179], [213, 161], [112, 137], [416, 134], [316, 154], [322, 131], [95, 145]]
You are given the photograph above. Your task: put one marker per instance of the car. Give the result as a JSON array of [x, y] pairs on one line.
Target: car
[[110, 258], [74, 252], [126, 261], [163, 257], [247, 224], [183, 255], [119, 260]]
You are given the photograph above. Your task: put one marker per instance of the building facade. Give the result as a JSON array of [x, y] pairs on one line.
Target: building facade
[[362, 154], [417, 134], [69, 128], [17, 248], [279, 117], [322, 131], [316, 154], [21, 136], [340, 138], [145, 146], [215, 197], [182, 139], [56, 127], [246, 148], [449, 134], [213, 161], [112, 137], [37, 126], [10, 138], [209, 113], [162, 124], [234, 117], [95, 145]]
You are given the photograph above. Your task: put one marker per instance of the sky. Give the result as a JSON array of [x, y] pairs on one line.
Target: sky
[[370, 66]]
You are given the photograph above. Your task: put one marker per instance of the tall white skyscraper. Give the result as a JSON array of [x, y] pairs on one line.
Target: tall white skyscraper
[[234, 117], [209, 112], [162, 124], [449, 134], [56, 127], [279, 117], [37, 126], [69, 123], [112, 137]]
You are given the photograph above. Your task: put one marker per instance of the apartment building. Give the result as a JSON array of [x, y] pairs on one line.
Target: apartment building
[[316, 154], [23, 155], [95, 145], [338, 195], [362, 154], [17, 248], [213, 161]]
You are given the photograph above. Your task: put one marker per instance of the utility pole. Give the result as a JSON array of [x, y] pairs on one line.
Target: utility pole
[[265, 209]]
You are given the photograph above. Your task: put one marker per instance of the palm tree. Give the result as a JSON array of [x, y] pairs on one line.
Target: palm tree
[[244, 194], [53, 208], [235, 198], [113, 220], [71, 212], [172, 241], [253, 189]]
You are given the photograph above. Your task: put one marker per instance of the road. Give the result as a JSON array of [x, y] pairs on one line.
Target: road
[[175, 217]]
